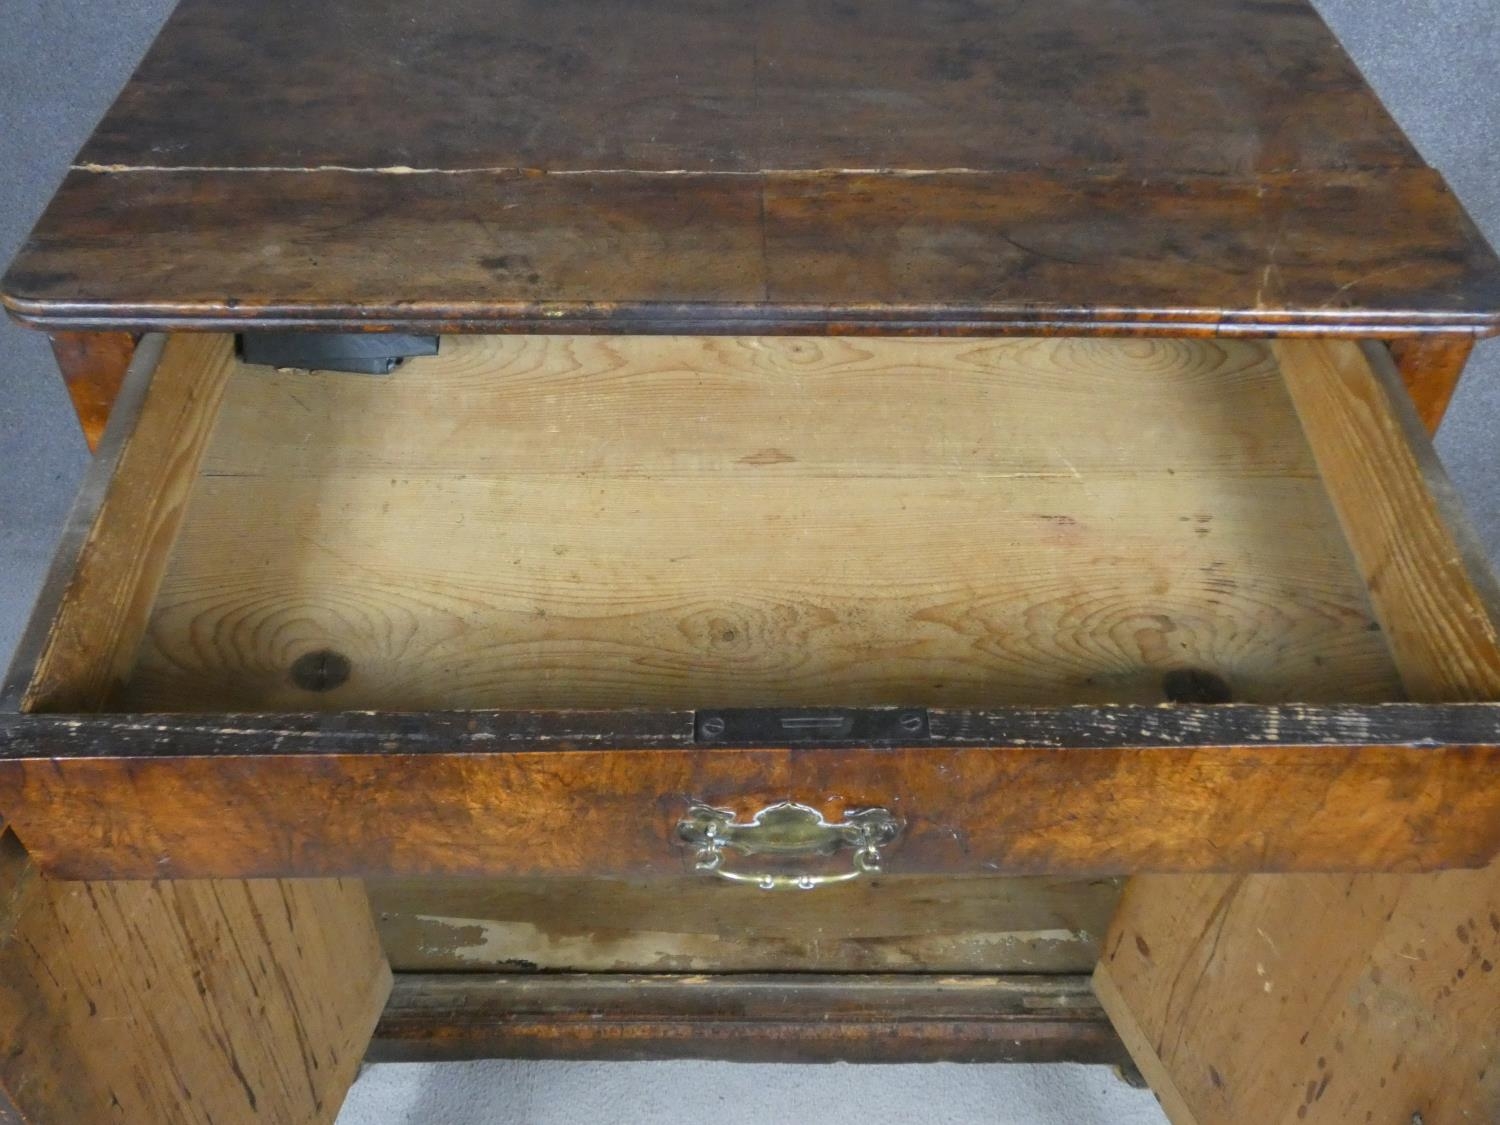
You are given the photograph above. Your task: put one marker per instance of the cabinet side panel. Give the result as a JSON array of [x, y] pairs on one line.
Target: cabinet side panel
[[184, 1002]]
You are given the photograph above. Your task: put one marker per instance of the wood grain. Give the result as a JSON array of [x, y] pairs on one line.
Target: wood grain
[[588, 522], [93, 366], [717, 168], [958, 166], [689, 924], [210, 1001], [784, 1017], [127, 519], [1336, 999], [1287, 999], [1430, 584], [710, 85], [1068, 792], [957, 253], [182, 1002]]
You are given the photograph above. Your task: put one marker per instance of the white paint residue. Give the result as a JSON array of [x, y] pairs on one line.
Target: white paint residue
[[521, 941]]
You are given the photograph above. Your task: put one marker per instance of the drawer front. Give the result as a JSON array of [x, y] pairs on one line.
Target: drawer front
[[1237, 605], [1082, 791]]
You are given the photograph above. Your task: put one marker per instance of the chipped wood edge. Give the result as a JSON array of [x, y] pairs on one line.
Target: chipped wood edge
[[372, 735]]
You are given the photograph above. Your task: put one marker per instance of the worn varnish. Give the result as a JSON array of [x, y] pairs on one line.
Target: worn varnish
[[204, 1001], [1372, 253], [427, 794], [720, 86], [783, 1017], [950, 167], [939, 166], [689, 924], [588, 522]]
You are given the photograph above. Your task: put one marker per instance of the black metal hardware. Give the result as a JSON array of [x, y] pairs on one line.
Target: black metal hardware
[[767, 727], [358, 353]]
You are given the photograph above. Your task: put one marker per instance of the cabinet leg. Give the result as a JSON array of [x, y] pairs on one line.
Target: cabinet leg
[[1430, 367], [1306, 999], [222, 1002], [93, 366]]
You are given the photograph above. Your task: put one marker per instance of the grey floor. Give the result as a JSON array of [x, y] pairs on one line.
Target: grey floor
[[1434, 62]]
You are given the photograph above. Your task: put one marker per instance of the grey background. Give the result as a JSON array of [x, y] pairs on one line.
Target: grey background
[[1433, 61]]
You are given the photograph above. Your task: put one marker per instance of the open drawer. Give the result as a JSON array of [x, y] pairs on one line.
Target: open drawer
[[781, 610]]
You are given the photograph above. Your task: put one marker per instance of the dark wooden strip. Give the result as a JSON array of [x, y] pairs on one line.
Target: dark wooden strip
[[1353, 253], [358, 732], [374, 733], [415, 795], [714, 85], [787, 1017]]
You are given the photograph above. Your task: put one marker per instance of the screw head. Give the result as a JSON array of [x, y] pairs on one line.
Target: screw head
[[911, 722], [711, 727]]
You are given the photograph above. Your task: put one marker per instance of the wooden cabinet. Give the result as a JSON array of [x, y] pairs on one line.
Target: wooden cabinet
[[937, 479]]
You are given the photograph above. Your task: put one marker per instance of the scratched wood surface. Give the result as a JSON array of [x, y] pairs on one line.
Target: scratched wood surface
[[756, 542], [940, 165], [196, 1003], [589, 522], [213, 1001], [1316, 999], [715, 85]]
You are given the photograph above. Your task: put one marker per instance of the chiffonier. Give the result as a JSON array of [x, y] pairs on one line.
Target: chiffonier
[[805, 530]]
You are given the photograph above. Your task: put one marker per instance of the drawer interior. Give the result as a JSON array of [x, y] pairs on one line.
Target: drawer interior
[[1130, 605], [603, 522]]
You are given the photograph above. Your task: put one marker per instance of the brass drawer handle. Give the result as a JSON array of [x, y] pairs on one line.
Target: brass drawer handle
[[786, 831]]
